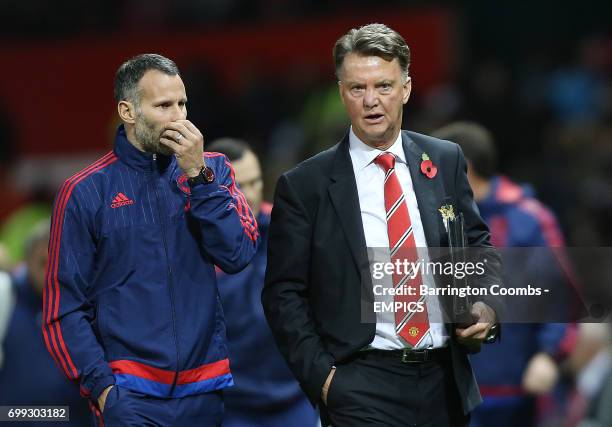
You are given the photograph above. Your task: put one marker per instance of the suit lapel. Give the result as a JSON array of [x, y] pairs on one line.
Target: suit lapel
[[425, 190], [345, 200]]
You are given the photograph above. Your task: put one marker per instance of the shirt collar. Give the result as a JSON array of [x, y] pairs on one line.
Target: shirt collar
[[363, 155]]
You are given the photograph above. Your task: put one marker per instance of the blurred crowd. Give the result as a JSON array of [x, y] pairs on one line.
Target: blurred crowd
[[36, 18], [544, 95]]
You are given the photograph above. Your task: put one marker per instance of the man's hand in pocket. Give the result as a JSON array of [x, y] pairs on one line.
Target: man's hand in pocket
[[327, 384], [102, 397]]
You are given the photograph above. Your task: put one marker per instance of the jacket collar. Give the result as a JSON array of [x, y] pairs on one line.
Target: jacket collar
[[343, 192], [425, 190], [133, 157], [362, 155], [345, 199]]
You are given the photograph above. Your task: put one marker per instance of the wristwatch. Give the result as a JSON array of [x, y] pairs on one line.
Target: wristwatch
[[206, 176], [493, 334]]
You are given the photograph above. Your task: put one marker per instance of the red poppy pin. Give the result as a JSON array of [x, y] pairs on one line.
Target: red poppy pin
[[427, 167]]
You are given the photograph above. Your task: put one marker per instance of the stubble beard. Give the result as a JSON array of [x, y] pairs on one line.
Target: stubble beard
[[148, 136]]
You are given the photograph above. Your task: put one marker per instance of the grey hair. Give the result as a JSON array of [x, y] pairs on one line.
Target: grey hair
[[130, 72], [373, 40]]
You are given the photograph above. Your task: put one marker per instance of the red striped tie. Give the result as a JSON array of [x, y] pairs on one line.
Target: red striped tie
[[411, 325]]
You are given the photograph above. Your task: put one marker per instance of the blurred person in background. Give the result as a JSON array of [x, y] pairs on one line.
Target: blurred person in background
[[29, 375], [590, 365], [329, 212], [265, 392], [18, 225], [5, 259], [523, 364], [131, 304], [7, 299]]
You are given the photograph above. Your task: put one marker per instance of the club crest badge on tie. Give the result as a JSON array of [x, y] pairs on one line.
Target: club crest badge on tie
[[413, 331]]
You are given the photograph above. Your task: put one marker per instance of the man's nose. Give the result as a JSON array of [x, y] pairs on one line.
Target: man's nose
[[178, 113], [370, 98]]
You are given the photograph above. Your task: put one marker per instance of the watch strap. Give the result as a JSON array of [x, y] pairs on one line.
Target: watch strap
[[206, 176]]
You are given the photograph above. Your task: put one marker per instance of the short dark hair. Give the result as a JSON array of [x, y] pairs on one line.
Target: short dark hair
[[477, 144], [131, 71], [373, 40], [234, 149]]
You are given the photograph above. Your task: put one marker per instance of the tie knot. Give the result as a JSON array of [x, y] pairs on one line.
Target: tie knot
[[386, 161]]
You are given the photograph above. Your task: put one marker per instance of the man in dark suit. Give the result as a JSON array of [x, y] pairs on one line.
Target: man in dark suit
[[380, 187]]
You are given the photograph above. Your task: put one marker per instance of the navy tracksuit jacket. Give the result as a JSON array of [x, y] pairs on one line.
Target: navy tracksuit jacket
[[131, 295], [266, 393], [516, 219]]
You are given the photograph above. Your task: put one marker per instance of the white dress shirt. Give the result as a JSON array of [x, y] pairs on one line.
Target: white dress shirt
[[370, 187]]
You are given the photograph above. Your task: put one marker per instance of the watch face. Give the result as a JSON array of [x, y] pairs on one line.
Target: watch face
[[206, 176], [209, 175]]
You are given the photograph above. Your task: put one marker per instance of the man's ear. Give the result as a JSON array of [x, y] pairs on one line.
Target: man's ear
[[407, 87], [127, 111]]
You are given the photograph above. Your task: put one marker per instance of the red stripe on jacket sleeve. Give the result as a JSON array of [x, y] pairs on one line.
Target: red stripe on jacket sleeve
[[52, 332], [546, 220], [247, 220]]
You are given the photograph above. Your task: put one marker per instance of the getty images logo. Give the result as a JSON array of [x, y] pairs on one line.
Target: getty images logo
[[121, 200]]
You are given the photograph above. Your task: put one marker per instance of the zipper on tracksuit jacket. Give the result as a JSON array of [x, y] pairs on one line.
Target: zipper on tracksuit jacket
[[162, 217]]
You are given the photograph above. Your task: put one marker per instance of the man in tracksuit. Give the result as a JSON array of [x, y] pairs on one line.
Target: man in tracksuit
[[131, 306], [266, 393], [523, 364]]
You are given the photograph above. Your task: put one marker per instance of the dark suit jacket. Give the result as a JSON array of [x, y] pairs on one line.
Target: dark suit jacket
[[318, 292]]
